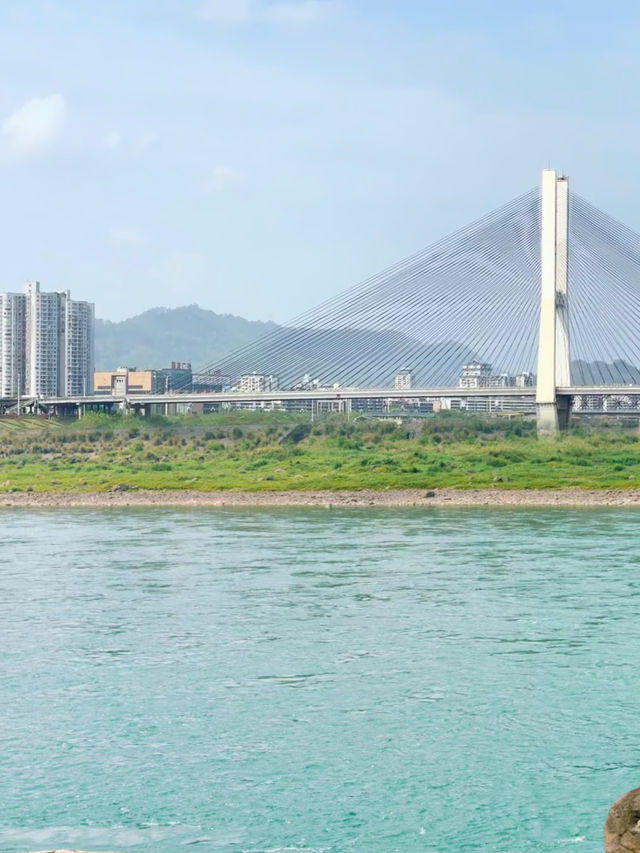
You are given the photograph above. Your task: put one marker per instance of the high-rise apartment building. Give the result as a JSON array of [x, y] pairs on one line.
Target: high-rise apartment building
[[47, 344], [44, 341], [78, 347], [12, 353]]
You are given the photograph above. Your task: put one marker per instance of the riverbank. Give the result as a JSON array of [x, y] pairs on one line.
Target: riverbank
[[332, 500], [273, 458]]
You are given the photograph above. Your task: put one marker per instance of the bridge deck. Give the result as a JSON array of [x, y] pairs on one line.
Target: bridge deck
[[331, 395]]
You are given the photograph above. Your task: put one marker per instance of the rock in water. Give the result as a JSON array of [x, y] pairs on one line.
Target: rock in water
[[622, 827]]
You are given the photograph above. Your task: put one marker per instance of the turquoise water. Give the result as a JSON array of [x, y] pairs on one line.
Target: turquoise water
[[317, 680]]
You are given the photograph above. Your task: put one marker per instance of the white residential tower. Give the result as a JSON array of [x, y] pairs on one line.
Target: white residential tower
[[46, 344]]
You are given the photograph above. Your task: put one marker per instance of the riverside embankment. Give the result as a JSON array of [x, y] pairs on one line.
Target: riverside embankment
[[328, 500]]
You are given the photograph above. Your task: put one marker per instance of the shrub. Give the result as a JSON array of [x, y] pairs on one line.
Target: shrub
[[298, 433]]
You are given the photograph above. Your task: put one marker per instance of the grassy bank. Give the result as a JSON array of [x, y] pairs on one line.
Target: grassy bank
[[272, 451]]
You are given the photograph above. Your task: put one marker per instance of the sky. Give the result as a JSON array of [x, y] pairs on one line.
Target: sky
[[258, 156]]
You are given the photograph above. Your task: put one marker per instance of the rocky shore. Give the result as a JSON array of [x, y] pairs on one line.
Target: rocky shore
[[125, 497]]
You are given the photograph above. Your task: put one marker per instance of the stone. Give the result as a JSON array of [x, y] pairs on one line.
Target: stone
[[622, 827]]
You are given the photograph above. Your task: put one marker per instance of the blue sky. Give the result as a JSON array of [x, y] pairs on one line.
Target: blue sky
[[257, 156]]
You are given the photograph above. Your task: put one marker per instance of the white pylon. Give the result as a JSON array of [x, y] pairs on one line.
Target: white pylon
[[554, 357]]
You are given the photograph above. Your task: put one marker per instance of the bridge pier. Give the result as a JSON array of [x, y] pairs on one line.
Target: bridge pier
[[547, 420], [554, 417]]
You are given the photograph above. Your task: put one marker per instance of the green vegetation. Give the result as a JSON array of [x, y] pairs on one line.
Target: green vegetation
[[257, 451]]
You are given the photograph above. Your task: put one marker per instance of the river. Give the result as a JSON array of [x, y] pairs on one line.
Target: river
[[317, 680]]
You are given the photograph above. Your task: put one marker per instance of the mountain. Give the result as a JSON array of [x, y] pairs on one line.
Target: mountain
[[348, 356], [162, 335]]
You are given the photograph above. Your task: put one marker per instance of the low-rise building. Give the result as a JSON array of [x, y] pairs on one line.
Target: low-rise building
[[502, 380], [257, 383], [525, 380], [403, 380], [178, 377], [128, 380], [475, 374], [210, 380]]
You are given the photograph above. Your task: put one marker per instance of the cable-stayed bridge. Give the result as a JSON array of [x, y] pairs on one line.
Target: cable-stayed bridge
[[537, 303]]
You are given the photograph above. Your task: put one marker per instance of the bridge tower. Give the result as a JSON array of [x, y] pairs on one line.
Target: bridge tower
[[554, 357]]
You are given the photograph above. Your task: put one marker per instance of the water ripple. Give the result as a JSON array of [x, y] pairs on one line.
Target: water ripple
[[300, 680]]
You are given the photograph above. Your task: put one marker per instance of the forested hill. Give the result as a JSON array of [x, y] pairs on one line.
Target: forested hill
[[162, 335]]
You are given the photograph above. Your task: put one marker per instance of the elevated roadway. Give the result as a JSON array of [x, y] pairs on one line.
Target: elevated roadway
[[317, 395]]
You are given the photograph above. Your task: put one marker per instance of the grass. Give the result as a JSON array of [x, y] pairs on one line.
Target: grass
[[257, 451]]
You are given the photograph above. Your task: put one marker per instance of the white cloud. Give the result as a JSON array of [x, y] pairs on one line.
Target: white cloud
[[228, 11], [222, 178], [301, 13], [127, 236], [36, 125]]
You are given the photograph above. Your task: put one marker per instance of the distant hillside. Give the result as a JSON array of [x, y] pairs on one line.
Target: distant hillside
[[162, 335], [349, 356], [617, 372]]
